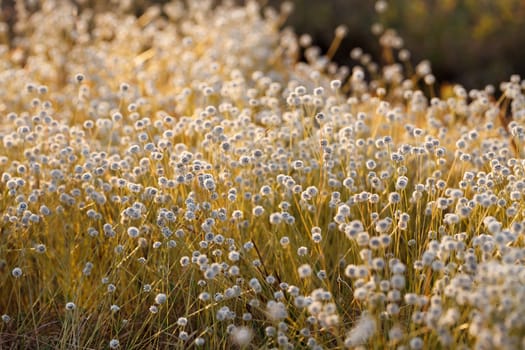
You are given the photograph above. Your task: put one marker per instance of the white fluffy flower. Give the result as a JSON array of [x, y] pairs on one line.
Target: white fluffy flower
[[362, 331]]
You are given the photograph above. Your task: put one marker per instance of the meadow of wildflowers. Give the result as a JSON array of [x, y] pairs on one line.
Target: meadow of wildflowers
[[181, 179]]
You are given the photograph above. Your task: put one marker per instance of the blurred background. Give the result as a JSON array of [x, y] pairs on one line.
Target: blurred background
[[472, 42]]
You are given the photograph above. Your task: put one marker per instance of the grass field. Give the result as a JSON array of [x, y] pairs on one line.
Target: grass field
[[182, 180]]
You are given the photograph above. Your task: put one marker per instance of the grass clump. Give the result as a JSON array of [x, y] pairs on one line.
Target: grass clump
[[181, 179]]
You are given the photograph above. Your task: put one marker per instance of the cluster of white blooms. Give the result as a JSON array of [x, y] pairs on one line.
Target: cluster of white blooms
[[183, 171]]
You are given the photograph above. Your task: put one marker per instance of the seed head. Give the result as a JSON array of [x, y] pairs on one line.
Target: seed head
[[16, 272], [114, 344], [242, 336]]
